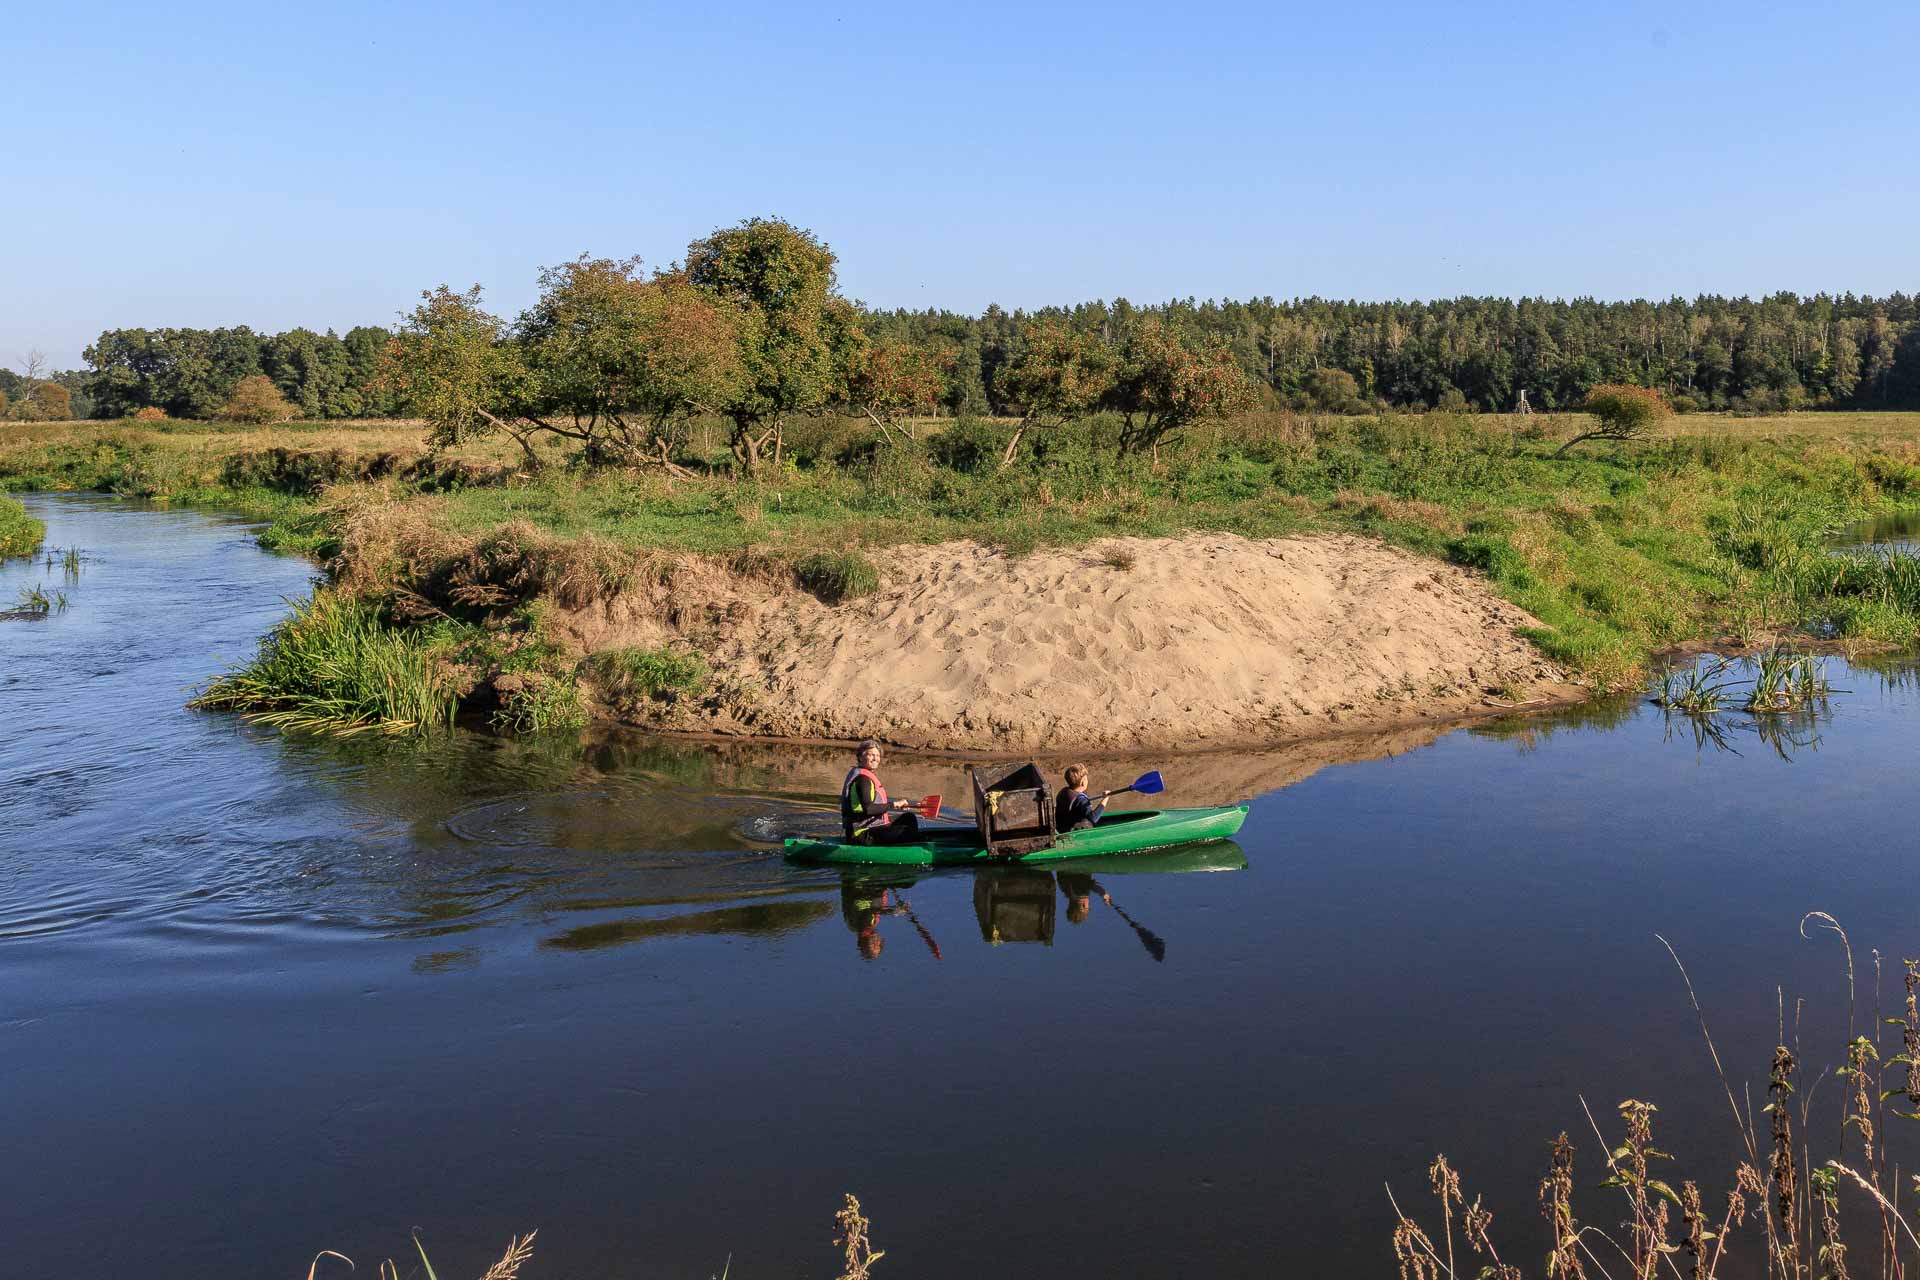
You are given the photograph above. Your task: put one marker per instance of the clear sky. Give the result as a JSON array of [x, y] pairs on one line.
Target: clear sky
[[203, 165]]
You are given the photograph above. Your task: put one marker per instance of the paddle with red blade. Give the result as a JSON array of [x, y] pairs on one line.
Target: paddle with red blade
[[928, 808]]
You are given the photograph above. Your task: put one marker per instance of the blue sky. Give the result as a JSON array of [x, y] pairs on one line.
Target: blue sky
[[226, 164]]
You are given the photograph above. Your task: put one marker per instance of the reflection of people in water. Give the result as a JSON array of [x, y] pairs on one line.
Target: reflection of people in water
[[1078, 888], [862, 903], [1074, 809], [866, 815], [864, 900]]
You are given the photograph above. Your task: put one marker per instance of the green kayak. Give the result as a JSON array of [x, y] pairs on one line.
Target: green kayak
[[961, 846]]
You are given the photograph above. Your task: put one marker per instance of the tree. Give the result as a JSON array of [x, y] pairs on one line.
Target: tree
[[1624, 412], [256, 399], [50, 402], [449, 363], [796, 337], [1331, 390], [618, 363], [1165, 381], [892, 381], [1059, 375], [605, 358]]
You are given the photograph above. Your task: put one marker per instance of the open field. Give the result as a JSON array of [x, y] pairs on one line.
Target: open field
[[1714, 531]]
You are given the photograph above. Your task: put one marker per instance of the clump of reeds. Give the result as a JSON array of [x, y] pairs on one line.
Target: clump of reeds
[[1696, 689], [1118, 557], [68, 562], [519, 1250], [1781, 681], [334, 667], [37, 599], [1787, 682], [1794, 1204]]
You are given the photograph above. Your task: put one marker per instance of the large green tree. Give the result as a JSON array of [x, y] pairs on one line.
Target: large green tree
[[798, 339], [605, 359]]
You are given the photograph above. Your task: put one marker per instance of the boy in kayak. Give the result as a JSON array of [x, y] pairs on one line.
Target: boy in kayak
[[1075, 810], [866, 815]]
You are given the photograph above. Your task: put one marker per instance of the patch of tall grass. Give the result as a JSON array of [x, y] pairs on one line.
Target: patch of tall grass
[[1780, 1214], [20, 534], [335, 667], [659, 673]]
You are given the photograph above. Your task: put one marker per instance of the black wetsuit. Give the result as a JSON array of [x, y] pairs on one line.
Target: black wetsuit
[[1076, 810]]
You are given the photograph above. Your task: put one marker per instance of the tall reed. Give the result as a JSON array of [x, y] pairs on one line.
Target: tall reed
[[332, 667]]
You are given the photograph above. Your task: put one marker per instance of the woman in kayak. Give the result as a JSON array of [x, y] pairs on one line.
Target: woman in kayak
[[866, 815], [1075, 810]]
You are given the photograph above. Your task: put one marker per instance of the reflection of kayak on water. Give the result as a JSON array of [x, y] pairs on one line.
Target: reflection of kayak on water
[[1117, 833], [1015, 903]]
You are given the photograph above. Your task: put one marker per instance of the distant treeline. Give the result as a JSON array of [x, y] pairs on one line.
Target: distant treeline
[[1780, 352], [1776, 353], [192, 373]]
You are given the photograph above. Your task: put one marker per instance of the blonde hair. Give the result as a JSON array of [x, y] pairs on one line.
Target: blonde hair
[[1076, 775]]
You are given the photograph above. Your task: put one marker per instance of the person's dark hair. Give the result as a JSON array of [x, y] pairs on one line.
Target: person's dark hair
[[861, 749]]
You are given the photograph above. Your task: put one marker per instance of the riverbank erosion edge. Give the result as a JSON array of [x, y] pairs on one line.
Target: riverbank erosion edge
[[1196, 640]]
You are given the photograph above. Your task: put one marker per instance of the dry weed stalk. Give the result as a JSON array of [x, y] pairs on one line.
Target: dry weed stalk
[[860, 1253], [1795, 1202]]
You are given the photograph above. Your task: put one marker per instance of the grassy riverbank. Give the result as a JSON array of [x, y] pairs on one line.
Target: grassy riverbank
[[20, 533], [1716, 530]]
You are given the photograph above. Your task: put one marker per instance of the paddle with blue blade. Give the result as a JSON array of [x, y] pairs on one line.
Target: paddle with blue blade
[[1147, 784]]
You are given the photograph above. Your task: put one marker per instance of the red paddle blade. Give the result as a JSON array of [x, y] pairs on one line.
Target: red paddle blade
[[928, 808]]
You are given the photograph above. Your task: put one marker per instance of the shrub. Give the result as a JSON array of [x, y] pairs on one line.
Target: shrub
[[834, 576], [1333, 390], [20, 533], [1685, 404], [970, 445], [149, 413], [256, 399]]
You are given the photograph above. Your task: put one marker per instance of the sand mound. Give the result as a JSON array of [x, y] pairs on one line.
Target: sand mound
[[1203, 639]]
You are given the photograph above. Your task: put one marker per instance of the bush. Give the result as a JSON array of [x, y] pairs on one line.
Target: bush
[[257, 400], [1685, 404], [20, 533], [834, 576], [969, 445], [1454, 400], [149, 413]]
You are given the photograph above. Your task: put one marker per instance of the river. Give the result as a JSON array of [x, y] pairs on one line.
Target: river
[[262, 995]]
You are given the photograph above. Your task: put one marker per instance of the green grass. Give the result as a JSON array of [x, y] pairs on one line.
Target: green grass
[[334, 667], [20, 534], [650, 673], [1718, 527]]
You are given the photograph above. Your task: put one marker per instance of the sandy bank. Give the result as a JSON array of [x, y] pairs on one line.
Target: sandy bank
[[1207, 639]]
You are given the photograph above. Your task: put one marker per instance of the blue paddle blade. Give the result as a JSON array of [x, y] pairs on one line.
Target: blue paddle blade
[[1149, 784]]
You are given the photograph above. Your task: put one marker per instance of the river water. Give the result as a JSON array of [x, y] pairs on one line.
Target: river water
[[262, 995]]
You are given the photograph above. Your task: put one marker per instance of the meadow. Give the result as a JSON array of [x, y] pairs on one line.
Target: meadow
[[1710, 530]]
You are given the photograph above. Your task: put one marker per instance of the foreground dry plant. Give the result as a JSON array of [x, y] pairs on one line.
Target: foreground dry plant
[[1786, 1204]]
